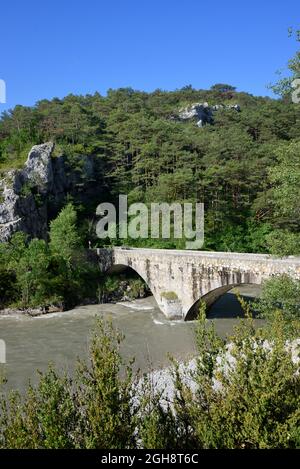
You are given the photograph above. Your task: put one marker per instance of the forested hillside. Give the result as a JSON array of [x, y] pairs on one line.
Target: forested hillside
[[244, 166]]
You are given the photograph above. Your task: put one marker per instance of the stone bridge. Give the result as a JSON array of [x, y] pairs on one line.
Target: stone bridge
[[179, 279]]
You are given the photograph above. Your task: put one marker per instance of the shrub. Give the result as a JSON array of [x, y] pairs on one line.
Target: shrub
[[246, 394], [248, 389], [93, 410], [282, 293]]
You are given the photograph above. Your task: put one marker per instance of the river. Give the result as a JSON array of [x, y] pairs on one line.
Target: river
[[31, 343]]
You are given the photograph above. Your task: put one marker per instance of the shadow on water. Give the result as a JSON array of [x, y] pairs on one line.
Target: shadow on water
[[228, 305]]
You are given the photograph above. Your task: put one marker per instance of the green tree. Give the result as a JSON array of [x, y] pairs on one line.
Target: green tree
[[285, 176], [284, 86], [73, 274], [222, 88], [280, 293], [32, 274], [64, 239]]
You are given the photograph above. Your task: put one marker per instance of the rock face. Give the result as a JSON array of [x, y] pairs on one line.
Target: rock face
[[31, 196], [203, 113]]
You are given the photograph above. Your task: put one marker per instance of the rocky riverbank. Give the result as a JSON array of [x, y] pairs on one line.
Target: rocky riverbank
[[114, 291], [29, 311], [123, 289]]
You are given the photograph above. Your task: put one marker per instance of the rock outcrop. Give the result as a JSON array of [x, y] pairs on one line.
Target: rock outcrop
[[203, 113], [31, 196]]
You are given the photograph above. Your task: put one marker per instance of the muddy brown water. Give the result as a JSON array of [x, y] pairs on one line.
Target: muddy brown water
[[31, 343]]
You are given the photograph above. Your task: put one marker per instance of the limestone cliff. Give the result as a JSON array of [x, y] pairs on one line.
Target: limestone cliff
[[31, 196], [203, 113]]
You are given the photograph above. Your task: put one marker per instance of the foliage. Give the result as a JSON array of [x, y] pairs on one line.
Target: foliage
[[246, 396], [64, 239], [286, 178], [138, 148], [36, 274], [283, 242], [114, 287], [284, 86], [248, 389], [282, 293], [223, 88], [91, 411]]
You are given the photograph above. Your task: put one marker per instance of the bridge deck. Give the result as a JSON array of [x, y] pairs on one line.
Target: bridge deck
[[209, 254]]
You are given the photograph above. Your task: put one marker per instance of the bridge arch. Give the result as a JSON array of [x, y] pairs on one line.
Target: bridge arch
[[118, 268], [212, 297]]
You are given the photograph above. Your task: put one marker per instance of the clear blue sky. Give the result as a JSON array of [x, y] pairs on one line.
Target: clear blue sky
[[53, 48]]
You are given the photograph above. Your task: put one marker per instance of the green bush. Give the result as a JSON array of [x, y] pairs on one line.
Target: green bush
[[252, 401], [92, 410], [247, 395], [283, 293]]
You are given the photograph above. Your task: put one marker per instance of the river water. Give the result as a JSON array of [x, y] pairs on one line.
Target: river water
[[31, 343]]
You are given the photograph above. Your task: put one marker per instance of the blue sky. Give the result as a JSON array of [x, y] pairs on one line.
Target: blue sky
[[53, 48]]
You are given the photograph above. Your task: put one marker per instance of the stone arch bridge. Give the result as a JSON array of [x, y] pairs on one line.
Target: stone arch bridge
[[178, 279]]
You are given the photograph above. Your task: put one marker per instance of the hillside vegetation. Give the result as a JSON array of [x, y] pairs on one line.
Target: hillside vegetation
[[244, 167]]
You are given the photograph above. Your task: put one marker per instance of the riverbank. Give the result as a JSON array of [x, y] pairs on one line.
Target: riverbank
[[32, 312], [127, 295], [114, 290]]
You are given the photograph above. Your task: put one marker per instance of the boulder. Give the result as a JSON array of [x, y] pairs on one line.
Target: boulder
[[203, 113]]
